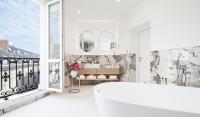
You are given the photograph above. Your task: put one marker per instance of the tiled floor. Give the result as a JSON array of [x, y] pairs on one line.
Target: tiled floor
[[61, 105]]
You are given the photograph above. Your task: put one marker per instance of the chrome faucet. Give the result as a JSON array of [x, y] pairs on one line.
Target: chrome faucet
[[182, 75]]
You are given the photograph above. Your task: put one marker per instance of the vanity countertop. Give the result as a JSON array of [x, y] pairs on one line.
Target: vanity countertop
[[100, 66]]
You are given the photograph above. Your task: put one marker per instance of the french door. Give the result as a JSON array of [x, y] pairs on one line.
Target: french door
[[143, 52], [55, 46]]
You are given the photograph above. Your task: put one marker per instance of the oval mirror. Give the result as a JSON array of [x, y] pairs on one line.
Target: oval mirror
[[106, 40], [87, 40]]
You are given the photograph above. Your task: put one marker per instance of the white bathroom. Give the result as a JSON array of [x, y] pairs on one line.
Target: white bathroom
[[115, 58]]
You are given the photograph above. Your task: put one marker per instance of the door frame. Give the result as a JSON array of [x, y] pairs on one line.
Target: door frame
[[61, 59], [135, 31]]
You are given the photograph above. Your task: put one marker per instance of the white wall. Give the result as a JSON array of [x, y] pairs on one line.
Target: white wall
[[139, 15], [72, 19], [70, 28], [174, 23], [124, 34]]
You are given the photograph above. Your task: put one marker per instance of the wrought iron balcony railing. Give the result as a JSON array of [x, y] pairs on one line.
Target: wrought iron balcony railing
[[18, 75]]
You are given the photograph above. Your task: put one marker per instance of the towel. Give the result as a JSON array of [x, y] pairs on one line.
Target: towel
[[113, 77], [82, 76], [101, 77], [91, 77]]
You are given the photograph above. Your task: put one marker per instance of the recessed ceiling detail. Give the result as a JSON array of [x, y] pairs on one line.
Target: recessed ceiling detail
[[101, 8]]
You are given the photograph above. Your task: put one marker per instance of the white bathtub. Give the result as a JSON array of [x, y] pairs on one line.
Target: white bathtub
[[146, 100]]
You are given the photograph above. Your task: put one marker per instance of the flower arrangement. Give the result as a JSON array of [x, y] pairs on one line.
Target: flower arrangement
[[69, 67]]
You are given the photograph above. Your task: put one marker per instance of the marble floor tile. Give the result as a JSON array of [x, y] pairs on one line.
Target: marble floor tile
[[61, 105]]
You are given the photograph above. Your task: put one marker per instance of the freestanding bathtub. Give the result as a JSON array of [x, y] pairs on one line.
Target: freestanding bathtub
[[146, 100]]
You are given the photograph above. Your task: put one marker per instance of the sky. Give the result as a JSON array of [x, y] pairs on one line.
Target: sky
[[20, 23]]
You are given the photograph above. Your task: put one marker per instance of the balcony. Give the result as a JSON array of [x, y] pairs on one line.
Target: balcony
[[18, 75]]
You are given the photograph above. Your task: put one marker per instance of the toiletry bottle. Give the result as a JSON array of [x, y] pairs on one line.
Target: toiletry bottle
[[162, 80]]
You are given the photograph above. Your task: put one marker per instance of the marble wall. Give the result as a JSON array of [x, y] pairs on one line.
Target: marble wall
[[126, 62], [176, 66], [179, 66]]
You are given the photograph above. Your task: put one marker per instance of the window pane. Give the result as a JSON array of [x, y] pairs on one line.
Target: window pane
[[54, 75], [54, 31]]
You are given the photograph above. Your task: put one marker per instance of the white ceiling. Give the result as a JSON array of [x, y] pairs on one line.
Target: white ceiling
[[101, 8]]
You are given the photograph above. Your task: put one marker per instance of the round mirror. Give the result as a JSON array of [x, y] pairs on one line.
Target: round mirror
[[87, 41], [106, 40]]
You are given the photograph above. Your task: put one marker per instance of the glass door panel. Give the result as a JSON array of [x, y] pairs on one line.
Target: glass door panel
[[55, 47], [54, 31], [54, 75]]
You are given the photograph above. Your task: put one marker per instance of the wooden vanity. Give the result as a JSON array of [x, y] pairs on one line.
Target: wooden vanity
[[99, 71]]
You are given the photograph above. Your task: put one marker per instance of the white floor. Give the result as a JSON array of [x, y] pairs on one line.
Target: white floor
[[61, 105]]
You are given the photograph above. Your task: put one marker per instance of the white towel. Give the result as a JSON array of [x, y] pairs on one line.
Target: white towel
[[82, 76], [101, 76], [91, 77], [113, 76]]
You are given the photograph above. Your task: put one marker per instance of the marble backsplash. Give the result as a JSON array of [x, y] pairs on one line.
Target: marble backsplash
[[179, 66], [176, 66], [126, 62]]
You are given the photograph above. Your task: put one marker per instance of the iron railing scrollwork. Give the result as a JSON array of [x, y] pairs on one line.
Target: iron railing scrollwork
[[18, 75]]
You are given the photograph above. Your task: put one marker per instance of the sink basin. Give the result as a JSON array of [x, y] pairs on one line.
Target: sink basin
[[96, 66], [92, 66], [106, 66], [110, 66]]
